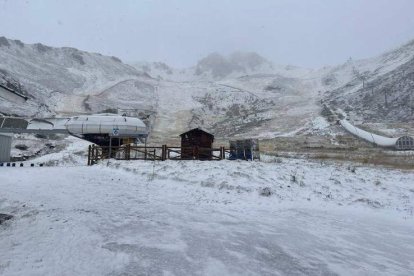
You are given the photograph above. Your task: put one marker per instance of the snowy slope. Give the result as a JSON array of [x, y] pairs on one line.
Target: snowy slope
[[240, 95], [216, 66], [282, 216], [379, 89], [51, 74]]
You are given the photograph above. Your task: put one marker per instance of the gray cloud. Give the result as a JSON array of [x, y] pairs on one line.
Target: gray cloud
[[309, 33]]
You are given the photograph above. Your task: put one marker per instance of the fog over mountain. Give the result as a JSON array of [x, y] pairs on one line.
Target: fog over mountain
[[302, 33]]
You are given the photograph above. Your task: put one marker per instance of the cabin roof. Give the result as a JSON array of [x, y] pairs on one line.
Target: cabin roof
[[197, 130]]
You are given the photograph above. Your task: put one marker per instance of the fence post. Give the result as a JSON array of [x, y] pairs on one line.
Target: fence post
[[89, 155], [163, 153], [96, 154], [92, 154], [128, 152], [110, 147]]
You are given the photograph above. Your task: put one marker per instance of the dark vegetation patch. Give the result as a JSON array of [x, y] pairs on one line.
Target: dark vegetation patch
[[21, 147], [4, 217]]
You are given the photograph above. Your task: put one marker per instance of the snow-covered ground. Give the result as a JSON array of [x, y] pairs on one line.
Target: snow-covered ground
[[275, 217]]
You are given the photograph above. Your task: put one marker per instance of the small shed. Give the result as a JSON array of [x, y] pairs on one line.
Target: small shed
[[247, 149], [196, 144], [5, 147]]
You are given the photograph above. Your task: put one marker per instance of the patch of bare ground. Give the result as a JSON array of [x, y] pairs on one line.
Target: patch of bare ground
[[351, 151]]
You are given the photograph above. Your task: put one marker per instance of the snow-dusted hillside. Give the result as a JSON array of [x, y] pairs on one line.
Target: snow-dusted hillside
[[278, 216], [161, 71], [51, 75], [242, 94], [245, 95], [215, 67], [379, 89], [66, 80]]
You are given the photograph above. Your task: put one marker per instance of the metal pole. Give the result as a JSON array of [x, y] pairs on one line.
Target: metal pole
[[4, 120], [411, 102], [386, 100], [110, 147]]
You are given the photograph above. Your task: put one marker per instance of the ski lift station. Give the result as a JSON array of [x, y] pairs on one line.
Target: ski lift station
[[101, 129]]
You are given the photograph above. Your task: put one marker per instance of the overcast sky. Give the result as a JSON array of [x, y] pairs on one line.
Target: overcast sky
[[309, 33]]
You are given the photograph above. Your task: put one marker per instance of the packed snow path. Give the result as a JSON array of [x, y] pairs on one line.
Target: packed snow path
[[207, 218]]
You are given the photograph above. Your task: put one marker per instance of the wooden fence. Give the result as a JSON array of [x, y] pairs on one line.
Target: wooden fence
[[132, 152]]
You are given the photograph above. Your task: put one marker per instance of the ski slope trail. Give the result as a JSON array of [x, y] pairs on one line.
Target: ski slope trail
[[207, 218]]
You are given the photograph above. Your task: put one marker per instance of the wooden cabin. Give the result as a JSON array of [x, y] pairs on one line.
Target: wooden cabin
[[196, 144]]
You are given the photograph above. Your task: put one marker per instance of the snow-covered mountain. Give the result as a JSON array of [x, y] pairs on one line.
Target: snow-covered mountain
[[242, 94], [159, 70], [379, 89], [50, 75], [216, 66]]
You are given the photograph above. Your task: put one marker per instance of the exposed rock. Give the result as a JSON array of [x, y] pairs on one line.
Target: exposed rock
[[116, 59], [4, 217], [4, 41], [78, 57], [42, 48], [19, 43], [220, 66], [21, 147], [266, 191]]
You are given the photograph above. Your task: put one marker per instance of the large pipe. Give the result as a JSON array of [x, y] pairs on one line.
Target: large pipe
[[368, 136]]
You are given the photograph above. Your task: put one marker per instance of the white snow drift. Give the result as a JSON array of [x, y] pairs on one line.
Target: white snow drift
[[280, 217]]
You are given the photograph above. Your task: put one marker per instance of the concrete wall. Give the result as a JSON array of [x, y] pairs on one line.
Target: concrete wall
[[5, 147]]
